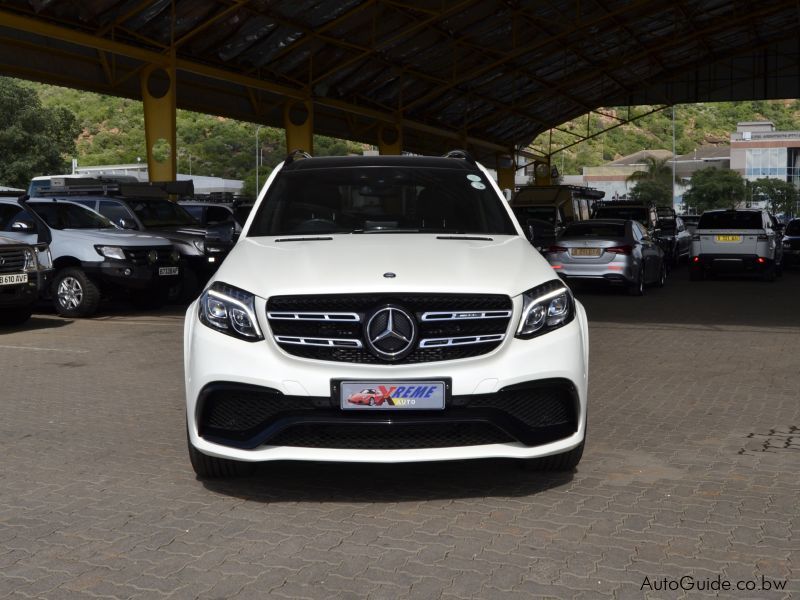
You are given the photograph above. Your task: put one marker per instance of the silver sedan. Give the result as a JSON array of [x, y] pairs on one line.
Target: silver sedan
[[615, 251]]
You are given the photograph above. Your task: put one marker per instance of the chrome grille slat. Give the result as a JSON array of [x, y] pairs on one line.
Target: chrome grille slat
[[13, 260], [458, 315], [461, 341], [318, 342], [334, 317]]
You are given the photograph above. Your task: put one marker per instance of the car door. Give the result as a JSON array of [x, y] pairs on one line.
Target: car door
[[775, 238], [649, 254], [683, 238]]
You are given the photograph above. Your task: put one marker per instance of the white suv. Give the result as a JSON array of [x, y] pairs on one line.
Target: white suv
[[407, 277]]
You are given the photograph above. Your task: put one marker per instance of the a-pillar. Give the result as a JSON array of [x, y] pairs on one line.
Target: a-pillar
[[159, 100], [390, 139], [298, 121]]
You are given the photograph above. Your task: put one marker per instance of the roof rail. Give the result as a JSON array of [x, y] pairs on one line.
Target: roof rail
[[295, 155], [463, 154]]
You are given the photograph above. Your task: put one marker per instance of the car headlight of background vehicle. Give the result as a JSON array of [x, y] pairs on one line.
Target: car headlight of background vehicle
[[230, 310], [545, 308], [44, 256], [30, 261], [111, 252]]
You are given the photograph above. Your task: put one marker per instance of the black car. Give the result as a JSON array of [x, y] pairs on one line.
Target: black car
[[24, 272], [791, 243], [676, 241]]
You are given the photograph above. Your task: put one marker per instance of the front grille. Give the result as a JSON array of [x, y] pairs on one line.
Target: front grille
[[249, 416], [138, 255], [12, 260], [331, 328], [393, 437]]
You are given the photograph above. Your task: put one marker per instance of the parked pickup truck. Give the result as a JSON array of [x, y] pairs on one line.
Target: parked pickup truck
[[91, 256], [24, 271]]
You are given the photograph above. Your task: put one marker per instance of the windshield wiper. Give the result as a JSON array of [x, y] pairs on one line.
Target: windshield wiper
[[387, 230], [304, 239], [465, 237]]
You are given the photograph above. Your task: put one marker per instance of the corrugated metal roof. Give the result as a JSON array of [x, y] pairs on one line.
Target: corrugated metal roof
[[491, 73]]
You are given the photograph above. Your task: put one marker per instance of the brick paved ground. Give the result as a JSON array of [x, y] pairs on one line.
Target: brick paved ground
[[692, 468]]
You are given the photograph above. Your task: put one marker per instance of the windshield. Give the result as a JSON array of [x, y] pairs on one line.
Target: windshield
[[793, 228], [731, 220], [595, 230], [381, 200], [632, 213], [157, 212], [541, 213], [65, 215]]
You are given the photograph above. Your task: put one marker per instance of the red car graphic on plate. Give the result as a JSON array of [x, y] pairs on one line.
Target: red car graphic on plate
[[369, 396]]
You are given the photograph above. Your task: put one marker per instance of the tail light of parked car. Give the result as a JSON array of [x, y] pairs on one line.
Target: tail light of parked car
[[627, 250]]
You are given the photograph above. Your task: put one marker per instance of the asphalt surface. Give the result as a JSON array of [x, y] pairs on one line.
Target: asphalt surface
[[692, 469]]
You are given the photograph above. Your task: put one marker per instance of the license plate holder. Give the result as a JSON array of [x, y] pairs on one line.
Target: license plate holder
[[586, 252], [391, 394], [166, 271], [13, 279]]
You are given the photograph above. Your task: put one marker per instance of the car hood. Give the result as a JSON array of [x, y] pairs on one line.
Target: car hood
[[181, 234], [112, 237], [357, 263], [6, 241]]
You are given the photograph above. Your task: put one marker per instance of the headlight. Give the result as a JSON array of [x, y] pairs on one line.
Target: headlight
[[200, 245], [545, 308], [44, 257], [30, 261], [230, 310], [111, 252]]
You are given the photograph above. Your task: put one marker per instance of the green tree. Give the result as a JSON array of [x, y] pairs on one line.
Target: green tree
[[655, 169], [652, 191], [34, 140], [715, 188], [781, 196]]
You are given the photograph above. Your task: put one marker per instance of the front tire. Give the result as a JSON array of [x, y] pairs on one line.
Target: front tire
[[566, 461], [636, 288], [211, 467], [662, 276], [74, 294]]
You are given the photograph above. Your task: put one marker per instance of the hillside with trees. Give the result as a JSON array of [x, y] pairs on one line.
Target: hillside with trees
[[110, 130]]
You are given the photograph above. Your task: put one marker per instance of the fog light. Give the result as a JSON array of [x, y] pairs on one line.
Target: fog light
[[212, 259], [127, 272]]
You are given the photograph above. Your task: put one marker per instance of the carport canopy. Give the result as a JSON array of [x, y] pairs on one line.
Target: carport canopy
[[421, 76]]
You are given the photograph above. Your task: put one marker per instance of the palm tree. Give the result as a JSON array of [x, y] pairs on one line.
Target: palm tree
[[656, 169]]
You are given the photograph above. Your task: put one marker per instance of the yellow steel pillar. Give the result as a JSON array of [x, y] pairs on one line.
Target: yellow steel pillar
[[298, 120], [542, 173], [390, 139], [158, 96], [506, 172]]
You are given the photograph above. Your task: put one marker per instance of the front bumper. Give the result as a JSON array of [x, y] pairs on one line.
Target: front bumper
[[24, 294], [526, 399], [126, 274]]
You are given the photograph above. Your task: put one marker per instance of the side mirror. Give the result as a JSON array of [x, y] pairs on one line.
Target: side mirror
[[126, 223], [23, 226], [222, 234]]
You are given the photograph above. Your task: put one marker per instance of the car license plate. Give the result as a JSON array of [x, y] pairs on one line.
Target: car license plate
[[392, 395], [14, 279], [729, 238], [168, 270], [586, 252]]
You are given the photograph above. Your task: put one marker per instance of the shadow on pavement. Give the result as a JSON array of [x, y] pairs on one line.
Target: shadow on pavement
[[375, 483], [733, 300], [37, 323]]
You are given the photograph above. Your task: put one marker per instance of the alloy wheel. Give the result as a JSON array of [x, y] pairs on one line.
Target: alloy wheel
[[70, 293]]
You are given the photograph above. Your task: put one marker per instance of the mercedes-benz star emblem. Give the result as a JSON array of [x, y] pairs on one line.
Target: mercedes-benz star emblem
[[390, 333]]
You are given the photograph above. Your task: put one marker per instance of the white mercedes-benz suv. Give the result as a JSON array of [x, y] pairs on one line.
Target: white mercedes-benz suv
[[384, 309]]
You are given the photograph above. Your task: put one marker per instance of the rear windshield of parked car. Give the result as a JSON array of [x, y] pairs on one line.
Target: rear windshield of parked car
[[730, 219], [381, 200], [595, 230], [541, 213]]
